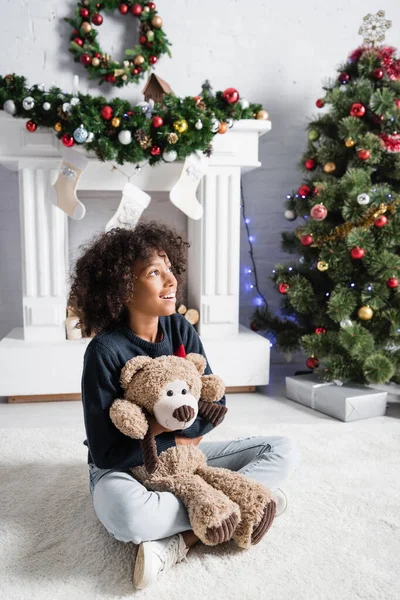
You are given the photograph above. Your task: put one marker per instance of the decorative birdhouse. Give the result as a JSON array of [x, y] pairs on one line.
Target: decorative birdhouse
[[156, 88]]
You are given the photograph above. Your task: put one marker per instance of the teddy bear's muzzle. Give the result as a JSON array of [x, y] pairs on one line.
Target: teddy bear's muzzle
[[183, 414]]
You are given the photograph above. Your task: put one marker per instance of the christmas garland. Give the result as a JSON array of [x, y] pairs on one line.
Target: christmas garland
[[86, 49], [115, 130]]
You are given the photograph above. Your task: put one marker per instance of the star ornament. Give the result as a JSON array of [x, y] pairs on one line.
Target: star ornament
[[374, 27]]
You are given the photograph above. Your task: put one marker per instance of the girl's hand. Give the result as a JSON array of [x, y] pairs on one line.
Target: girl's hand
[[182, 441]]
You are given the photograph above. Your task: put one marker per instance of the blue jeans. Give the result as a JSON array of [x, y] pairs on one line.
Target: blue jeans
[[130, 513]]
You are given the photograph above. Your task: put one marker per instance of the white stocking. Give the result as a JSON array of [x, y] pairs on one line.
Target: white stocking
[[183, 194], [132, 204]]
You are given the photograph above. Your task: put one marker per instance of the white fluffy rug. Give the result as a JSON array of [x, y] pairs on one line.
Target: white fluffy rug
[[339, 539]]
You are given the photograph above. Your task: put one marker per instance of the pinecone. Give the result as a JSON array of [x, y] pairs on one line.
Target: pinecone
[[173, 138], [143, 139], [9, 78], [144, 28], [105, 61], [63, 115]]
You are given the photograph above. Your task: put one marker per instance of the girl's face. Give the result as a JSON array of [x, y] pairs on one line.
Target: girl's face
[[155, 287]]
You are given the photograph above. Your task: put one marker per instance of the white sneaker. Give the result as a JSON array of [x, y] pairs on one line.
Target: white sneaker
[[155, 558], [281, 501]]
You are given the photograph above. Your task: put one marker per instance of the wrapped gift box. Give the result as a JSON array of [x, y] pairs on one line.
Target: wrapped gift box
[[348, 402]]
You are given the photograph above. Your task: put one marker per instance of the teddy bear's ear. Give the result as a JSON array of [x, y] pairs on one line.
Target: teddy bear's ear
[[198, 360], [133, 366]]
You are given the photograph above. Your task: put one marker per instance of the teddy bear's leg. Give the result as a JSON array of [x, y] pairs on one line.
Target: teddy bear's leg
[[213, 516], [257, 507]]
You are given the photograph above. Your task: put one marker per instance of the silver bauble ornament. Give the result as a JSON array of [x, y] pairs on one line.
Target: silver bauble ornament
[[46, 106], [81, 134], [229, 122], [346, 323], [198, 124], [28, 103], [9, 107], [244, 103], [363, 199], [169, 155], [215, 125], [125, 137], [290, 215]]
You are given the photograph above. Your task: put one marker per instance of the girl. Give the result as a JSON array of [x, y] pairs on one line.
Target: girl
[[124, 288]]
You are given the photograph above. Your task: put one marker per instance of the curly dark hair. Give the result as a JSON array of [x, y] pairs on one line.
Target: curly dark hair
[[102, 279]]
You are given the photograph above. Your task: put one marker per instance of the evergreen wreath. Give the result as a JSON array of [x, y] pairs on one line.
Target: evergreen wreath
[[86, 49]]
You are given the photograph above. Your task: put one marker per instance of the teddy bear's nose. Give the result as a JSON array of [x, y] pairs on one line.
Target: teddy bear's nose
[[183, 413]]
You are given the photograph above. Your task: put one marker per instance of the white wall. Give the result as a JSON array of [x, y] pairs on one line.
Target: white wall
[[276, 53]]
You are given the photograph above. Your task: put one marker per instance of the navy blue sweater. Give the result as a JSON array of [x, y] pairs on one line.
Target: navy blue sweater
[[104, 358]]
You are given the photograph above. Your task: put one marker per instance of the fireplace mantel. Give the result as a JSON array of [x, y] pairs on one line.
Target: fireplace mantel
[[37, 359]]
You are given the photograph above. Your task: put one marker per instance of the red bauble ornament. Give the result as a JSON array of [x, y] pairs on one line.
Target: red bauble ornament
[[364, 154], [320, 330], [357, 110], [397, 103], [85, 59], [123, 9], [143, 40], [312, 362], [284, 288], [157, 121], [310, 164], [377, 73], [320, 103], [31, 126], [78, 41], [151, 5], [344, 77], [107, 113], [155, 151], [357, 252], [135, 71], [111, 78], [97, 19], [304, 190], [381, 221], [84, 13], [97, 55], [153, 60], [318, 212], [67, 140], [230, 95], [137, 10], [306, 239], [392, 282]]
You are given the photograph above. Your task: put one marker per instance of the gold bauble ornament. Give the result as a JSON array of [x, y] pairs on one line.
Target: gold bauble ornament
[[115, 122], [157, 22], [58, 127], [181, 126], [330, 167], [86, 27], [322, 265], [124, 77], [262, 115], [349, 143], [95, 61], [138, 60], [365, 313]]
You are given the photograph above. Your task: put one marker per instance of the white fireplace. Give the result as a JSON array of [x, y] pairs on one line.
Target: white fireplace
[[37, 359]]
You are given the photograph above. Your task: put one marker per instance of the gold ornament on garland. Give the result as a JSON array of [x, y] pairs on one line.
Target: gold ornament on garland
[[58, 127], [138, 60], [116, 122], [350, 143], [86, 27], [262, 115], [95, 62], [330, 167], [365, 313], [157, 22], [322, 265], [181, 126]]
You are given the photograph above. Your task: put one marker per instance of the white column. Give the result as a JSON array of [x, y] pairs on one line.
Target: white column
[[44, 255], [214, 257]]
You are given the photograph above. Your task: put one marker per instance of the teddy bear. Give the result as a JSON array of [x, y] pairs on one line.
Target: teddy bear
[[221, 504]]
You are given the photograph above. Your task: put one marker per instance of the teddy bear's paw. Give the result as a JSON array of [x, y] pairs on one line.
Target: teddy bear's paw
[[223, 532], [264, 525]]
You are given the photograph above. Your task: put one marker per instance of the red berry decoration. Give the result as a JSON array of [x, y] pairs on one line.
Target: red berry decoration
[[344, 77], [143, 40], [284, 288], [123, 9], [319, 212], [137, 10], [151, 5], [230, 95], [312, 362], [320, 103], [31, 126], [97, 55], [67, 140], [357, 110], [107, 113], [392, 282], [97, 19], [381, 221], [78, 41], [155, 151], [357, 252], [111, 78], [153, 60], [84, 13], [310, 164], [364, 154], [306, 239], [397, 103], [157, 121], [304, 190], [135, 71], [377, 74], [85, 60], [320, 330]]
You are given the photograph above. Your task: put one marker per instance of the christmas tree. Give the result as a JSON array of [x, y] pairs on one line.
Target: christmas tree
[[341, 300]]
